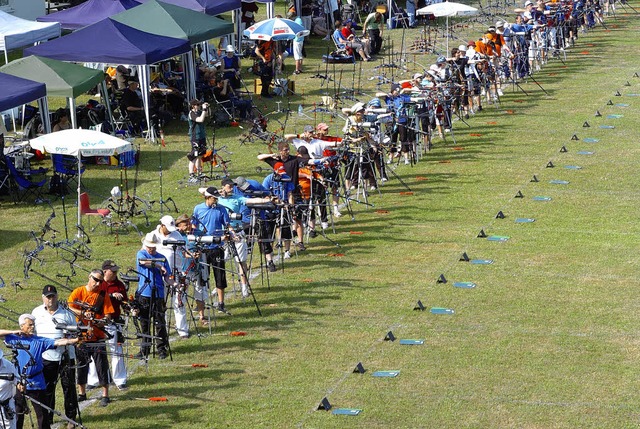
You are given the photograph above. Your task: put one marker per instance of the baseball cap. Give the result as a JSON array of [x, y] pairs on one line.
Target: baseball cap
[[168, 222], [499, 24], [308, 128], [278, 167], [49, 290], [110, 265], [230, 48], [322, 126], [242, 183], [209, 192], [471, 43], [462, 48], [227, 181], [528, 3]]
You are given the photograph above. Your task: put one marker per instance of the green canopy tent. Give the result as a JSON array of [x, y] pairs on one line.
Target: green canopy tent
[[62, 79], [169, 20]]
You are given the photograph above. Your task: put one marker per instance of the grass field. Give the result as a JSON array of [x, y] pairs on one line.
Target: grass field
[[547, 339]]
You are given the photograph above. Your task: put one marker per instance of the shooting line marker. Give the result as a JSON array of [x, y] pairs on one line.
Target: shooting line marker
[[481, 234], [563, 149], [550, 165], [519, 195], [419, 306], [441, 279], [324, 405], [356, 232], [458, 148], [475, 135], [492, 123], [500, 215], [335, 255], [464, 257], [534, 179], [585, 125], [421, 178], [359, 369], [389, 336], [406, 193]]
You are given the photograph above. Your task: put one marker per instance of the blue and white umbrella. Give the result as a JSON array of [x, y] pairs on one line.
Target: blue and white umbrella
[[275, 29]]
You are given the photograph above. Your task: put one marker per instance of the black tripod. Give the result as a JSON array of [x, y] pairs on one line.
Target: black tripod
[[230, 243]]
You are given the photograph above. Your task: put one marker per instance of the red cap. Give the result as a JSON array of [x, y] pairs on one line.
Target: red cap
[[278, 167], [471, 43]]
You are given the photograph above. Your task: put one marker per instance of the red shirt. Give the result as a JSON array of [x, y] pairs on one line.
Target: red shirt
[[116, 286]]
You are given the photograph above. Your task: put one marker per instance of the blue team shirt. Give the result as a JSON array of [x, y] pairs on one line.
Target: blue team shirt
[[32, 369], [235, 204], [151, 278], [211, 221]]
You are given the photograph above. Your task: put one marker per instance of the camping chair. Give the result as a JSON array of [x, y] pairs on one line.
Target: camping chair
[[66, 167], [22, 185], [86, 210], [121, 122], [399, 16]]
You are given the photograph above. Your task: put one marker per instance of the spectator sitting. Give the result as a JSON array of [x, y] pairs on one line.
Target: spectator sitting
[[132, 104], [174, 97], [353, 41], [231, 67], [123, 74], [63, 121], [349, 46], [224, 93]]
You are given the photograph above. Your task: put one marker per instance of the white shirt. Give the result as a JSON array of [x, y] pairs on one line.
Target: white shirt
[[45, 327], [315, 146], [167, 251]]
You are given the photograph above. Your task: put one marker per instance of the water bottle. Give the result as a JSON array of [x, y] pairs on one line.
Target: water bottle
[[300, 110]]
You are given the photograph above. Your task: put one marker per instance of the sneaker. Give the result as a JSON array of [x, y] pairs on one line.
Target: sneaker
[[104, 401], [272, 267], [325, 225], [82, 397], [406, 162], [193, 179], [388, 161], [222, 309], [313, 233], [384, 179], [336, 213], [297, 72], [301, 246], [373, 188], [500, 93], [287, 255], [122, 386], [162, 355]]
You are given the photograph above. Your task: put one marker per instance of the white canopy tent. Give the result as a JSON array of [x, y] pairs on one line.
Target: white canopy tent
[[17, 32]]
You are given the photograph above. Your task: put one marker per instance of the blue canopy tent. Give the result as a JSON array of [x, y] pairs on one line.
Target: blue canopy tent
[[112, 42], [88, 13], [17, 91]]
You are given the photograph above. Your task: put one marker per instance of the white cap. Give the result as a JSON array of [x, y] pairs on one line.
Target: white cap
[[418, 75], [169, 222], [462, 48], [230, 48]]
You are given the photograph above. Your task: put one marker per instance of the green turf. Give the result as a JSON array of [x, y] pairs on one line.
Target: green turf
[[547, 339]]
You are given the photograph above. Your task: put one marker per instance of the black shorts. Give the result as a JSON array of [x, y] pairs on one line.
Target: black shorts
[[198, 148]]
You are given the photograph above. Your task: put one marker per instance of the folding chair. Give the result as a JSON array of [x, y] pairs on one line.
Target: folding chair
[[86, 210], [67, 168], [22, 186]]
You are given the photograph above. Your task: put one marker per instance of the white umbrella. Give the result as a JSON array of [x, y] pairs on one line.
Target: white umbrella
[[275, 29], [447, 9], [80, 143]]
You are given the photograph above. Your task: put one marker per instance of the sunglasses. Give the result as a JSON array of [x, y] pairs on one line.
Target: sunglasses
[[96, 280]]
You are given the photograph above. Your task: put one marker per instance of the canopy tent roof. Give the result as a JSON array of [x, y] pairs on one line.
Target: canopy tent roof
[[17, 91], [62, 79], [111, 42], [88, 13], [210, 7], [169, 20], [17, 32]]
